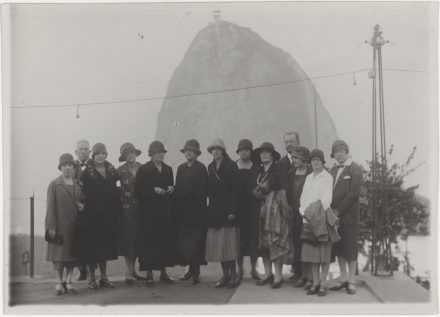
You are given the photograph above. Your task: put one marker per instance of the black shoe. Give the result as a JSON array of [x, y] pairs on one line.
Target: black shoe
[[233, 282], [223, 282], [82, 276], [341, 285], [255, 276], [186, 277], [313, 290], [300, 283], [64, 285], [267, 280], [149, 281], [276, 285], [322, 291], [165, 278], [106, 283]]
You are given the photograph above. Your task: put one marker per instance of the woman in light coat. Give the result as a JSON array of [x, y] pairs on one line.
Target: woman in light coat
[[63, 202], [317, 187]]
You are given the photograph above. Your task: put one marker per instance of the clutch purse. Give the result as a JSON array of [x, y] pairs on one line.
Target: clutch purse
[[57, 239]]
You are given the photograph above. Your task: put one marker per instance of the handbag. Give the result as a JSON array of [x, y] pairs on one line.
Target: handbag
[[57, 239]]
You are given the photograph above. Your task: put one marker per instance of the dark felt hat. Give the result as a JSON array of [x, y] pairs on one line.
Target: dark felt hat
[[192, 145], [156, 147], [98, 148], [125, 149], [66, 158], [302, 153], [244, 144], [317, 153], [265, 146], [339, 144]]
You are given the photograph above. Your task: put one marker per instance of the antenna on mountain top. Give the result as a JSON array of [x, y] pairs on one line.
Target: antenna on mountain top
[[217, 15]]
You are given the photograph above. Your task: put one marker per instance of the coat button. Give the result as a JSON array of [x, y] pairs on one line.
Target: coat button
[[126, 181]]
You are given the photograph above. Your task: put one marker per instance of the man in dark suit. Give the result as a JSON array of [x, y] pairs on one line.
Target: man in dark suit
[[82, 152], [291, 143], [284, 166], [347, 183]]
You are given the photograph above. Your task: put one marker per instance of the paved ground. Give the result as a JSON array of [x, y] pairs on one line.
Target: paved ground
[[373, 296], [41, 291]]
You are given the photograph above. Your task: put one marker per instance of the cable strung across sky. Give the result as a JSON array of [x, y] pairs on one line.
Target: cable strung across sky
[[214, 91]]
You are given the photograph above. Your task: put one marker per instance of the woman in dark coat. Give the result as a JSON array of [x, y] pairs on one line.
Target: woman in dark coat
[[98, 225], [127, 233], [64, 196], [247, 219], [223, 236], [275, 241], [154, 190], [191, 193]]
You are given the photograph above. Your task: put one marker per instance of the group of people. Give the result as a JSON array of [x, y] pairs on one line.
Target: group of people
[[288, 210]]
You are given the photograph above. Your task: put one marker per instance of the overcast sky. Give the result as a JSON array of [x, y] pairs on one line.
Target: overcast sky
[[68, 54]]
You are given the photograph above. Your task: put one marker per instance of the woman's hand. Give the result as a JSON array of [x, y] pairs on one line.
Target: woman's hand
[[52, 233], [170, 190], [231, 217], [80, 206], [159, 190]]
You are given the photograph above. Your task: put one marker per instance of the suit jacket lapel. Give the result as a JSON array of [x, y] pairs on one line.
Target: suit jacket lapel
[[344, 172]]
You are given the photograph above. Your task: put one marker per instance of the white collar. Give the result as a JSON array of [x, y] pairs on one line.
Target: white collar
[[348, 162]]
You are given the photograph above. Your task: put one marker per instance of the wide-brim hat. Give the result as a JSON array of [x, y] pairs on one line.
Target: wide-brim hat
[[156, 147], [217, 143], [265, 146], [192, 145], [66, 158], [317, 153], [98, 148], [125, 149], [244, 144]]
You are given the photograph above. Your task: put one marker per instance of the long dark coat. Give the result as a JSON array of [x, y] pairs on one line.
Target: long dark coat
[[191, 194], [98, 224], [156, 237], [247, 217], [61, 216], [223, 189], [127, 232]]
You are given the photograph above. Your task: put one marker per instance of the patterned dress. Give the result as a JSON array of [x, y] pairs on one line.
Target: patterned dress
[[128, 230]]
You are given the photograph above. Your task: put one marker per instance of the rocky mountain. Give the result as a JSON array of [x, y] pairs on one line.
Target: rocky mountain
[[234, 86]]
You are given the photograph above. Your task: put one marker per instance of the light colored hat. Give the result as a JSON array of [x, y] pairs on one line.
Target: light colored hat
[[217, 143]]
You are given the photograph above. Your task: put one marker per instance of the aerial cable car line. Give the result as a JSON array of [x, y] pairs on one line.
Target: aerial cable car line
[[77, 105]]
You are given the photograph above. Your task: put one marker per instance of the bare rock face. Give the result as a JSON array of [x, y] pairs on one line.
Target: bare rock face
[[222, 58]]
